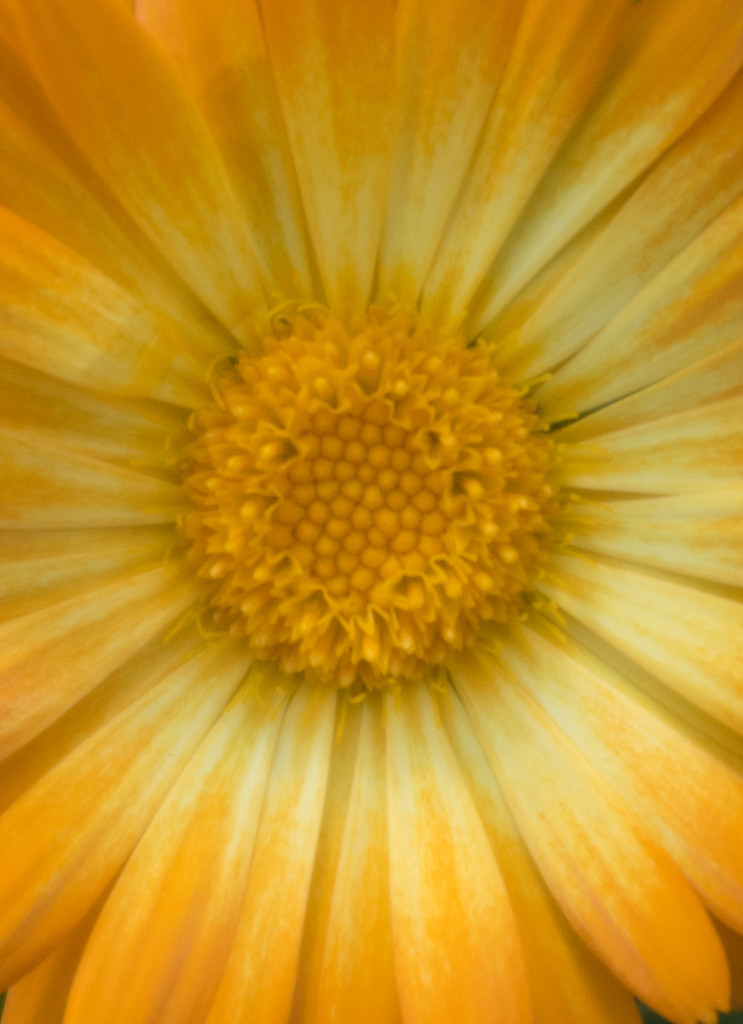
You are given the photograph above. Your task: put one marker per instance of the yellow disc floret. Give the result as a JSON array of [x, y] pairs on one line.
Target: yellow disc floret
[[364, 497]]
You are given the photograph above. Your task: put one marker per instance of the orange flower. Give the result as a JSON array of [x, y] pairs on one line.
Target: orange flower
[[371, 411]]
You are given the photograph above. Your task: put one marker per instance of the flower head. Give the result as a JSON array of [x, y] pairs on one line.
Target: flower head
[[371, 411]]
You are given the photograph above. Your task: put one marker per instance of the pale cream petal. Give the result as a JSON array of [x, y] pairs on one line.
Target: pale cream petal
[[672, 60], [63, 840], [51, 658], [718, 376], [688, 311], [220, 53], [45, 486], [357, 978], [678, 199], [158, 950], [620, 891], [549, 77], [39, 568], [41, 996], [698, 535], [568, 984], [193, 217], [334, 71], [697, 449], [63, 317], [689, 638], [259, 978], [457, 950], [450, 58], [687, 799]]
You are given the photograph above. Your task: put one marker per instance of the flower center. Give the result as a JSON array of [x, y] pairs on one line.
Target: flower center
[[364, 497]]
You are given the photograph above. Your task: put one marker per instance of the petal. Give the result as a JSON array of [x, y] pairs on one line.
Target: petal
[[158, 949], [41, 996], [691, 185], [63, 841], [259, 978], [54, 411], [568, 984], [193, 218], [45, 485], [690, 310], [333, 66], [457, 951], [673, 59], [442, 112], [697, 449], [357, 977], [51, 658], [220, 53], [690, 639], [718, 376], [39, 568], [676, 786], [549, 77], [698, 535], [620, 891], [62, 316]]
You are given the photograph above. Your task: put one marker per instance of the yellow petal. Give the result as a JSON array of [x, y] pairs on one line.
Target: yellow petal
[[697, 449], [568, 984], [63, 317], [549, 77], [619, 890], [672, 60], [457, 951], [192, 218], [334, 71], [219, 52], [357, 977], [686, 312], [442, 112], [261, 971], [699, 535], [45, 485], [689, 638], [158, 949]]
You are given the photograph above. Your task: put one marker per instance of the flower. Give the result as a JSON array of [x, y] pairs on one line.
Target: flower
[[372, 431]]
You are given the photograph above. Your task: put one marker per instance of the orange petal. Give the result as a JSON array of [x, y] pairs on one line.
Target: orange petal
[[261, 972], [334, 70], [51, 658], [624, 896], [159, 947], [219, 52], [568, 984], [192, 217], [676, 786], [457, 950], [64, 839]]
